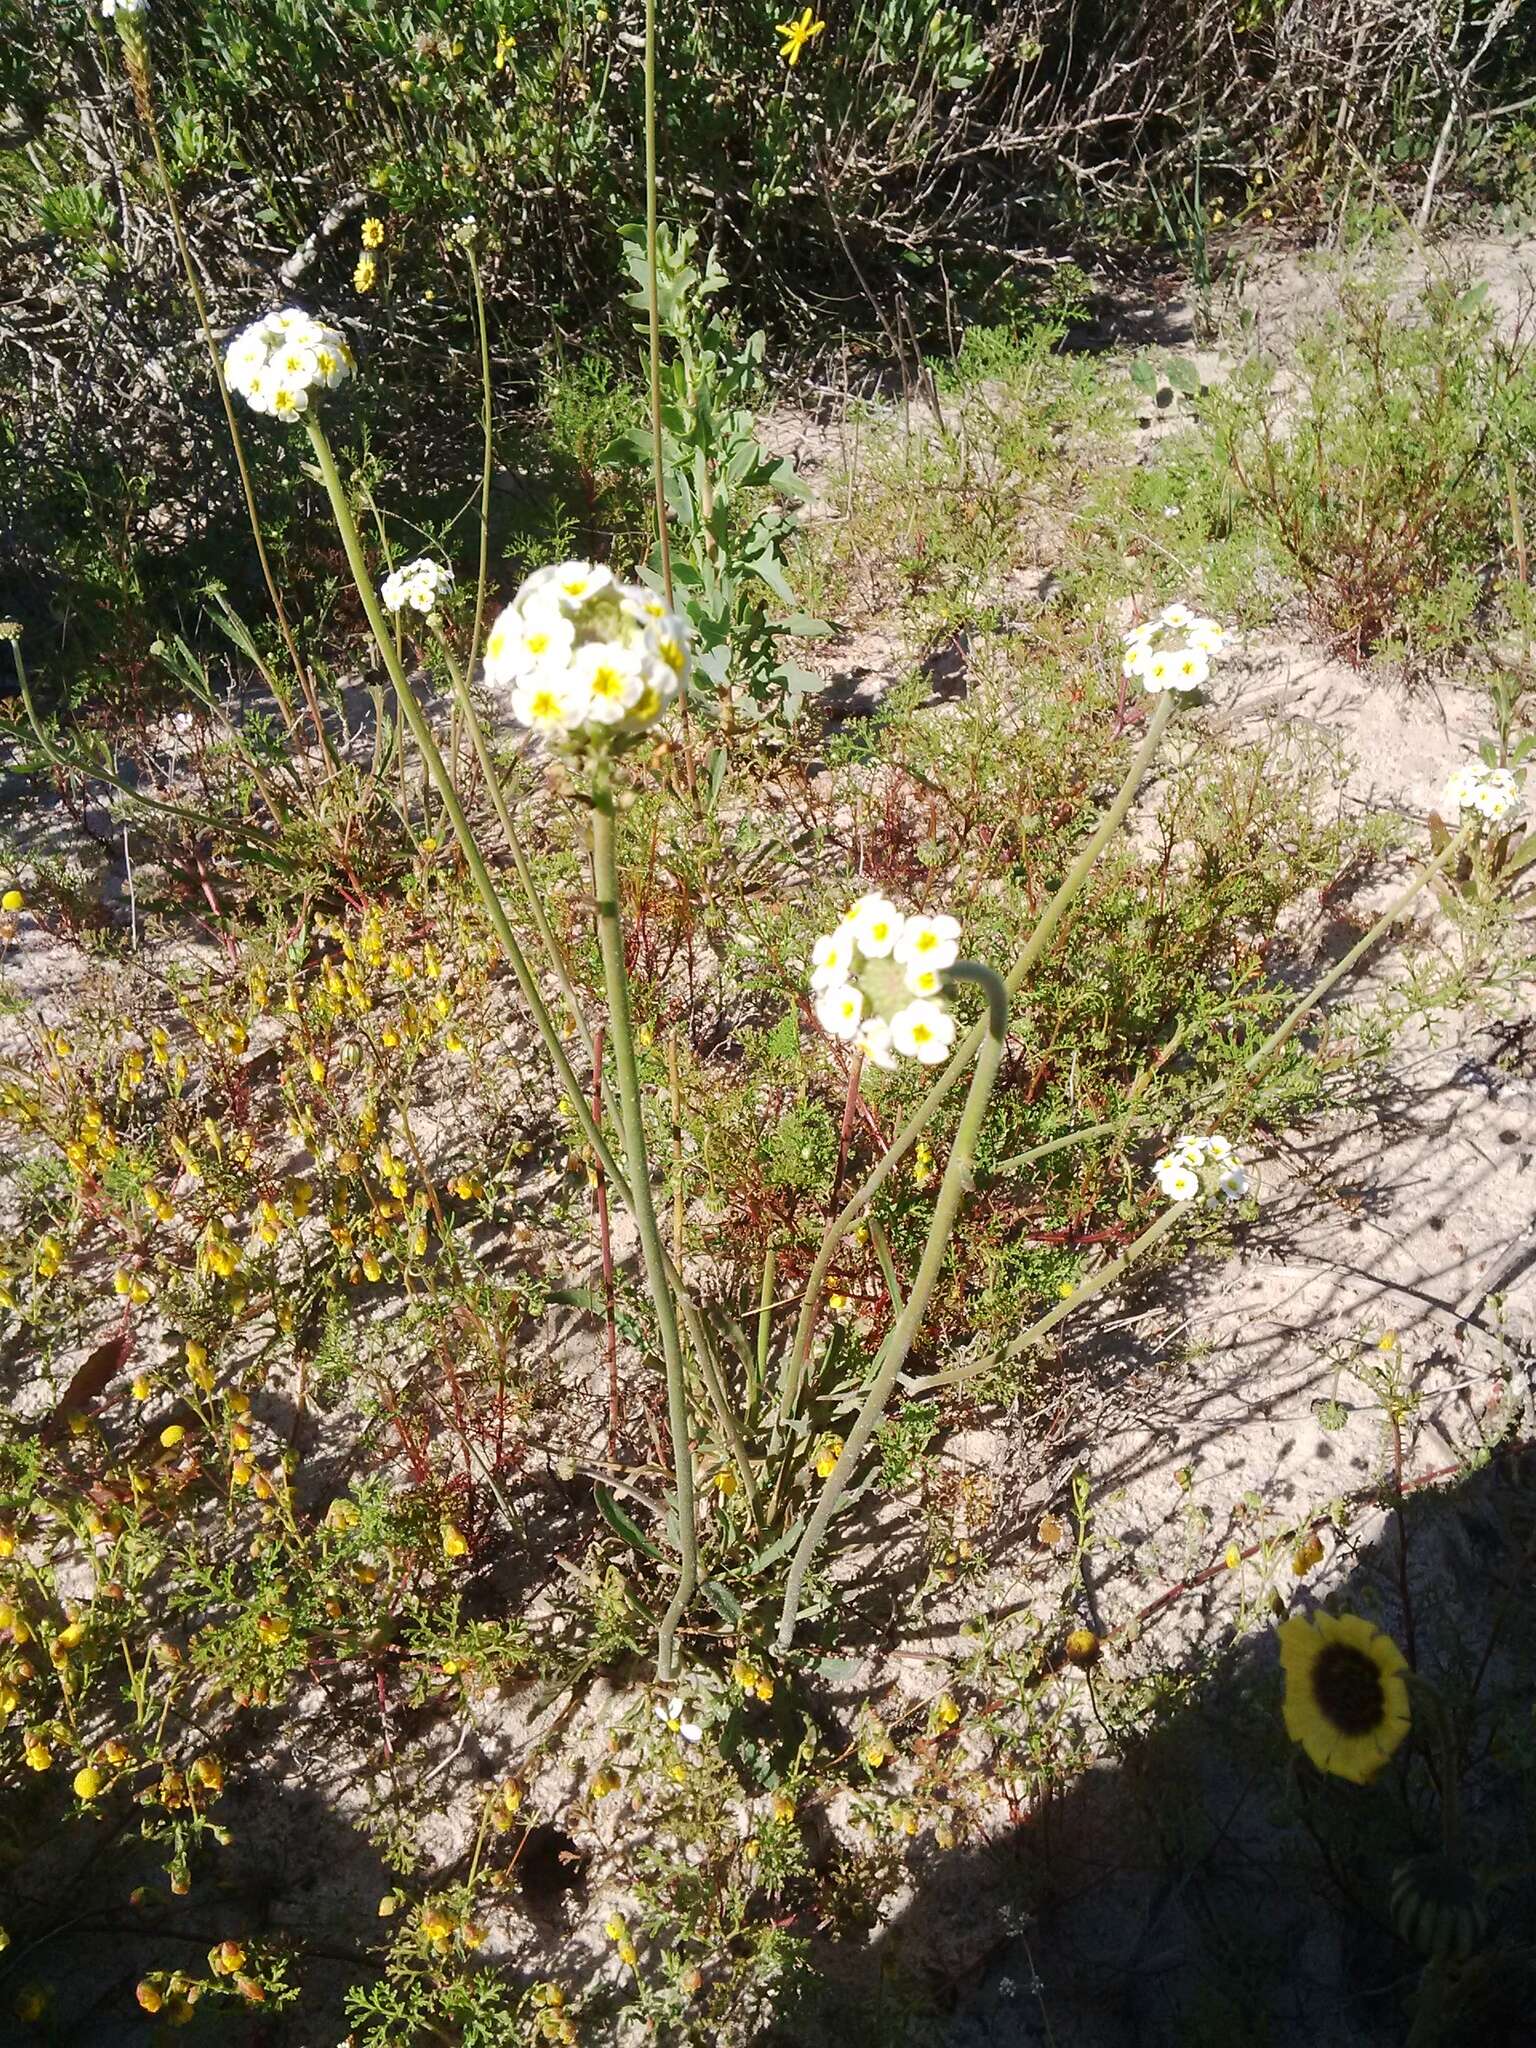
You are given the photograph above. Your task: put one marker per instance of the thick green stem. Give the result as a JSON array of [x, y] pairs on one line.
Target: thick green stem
[[959, 1177], [912, 1130], [605, 871], [514, 845], [653, 307], [487, 454], [480, 874]]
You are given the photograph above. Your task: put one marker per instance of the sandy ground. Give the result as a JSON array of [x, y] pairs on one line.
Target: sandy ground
[[1226, 1404]]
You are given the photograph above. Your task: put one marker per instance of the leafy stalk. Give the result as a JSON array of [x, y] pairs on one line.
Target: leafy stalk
[[610, 935], [959, 1177]]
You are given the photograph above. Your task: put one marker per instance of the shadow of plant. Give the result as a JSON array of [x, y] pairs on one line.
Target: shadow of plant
[[1205, 1885]]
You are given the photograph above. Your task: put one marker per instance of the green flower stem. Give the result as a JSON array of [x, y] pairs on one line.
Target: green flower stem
[[514, 845], [959, 1177], [575, 1094], [912, 1130], [1105, 1276], [759, 1373], [653, 308], [488, 449], [1095, 1283], [346, 525], [621, 1036], [1278, 1038], [132, 42]]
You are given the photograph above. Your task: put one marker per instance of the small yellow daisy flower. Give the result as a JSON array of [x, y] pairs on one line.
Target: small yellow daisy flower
[[797, 34]]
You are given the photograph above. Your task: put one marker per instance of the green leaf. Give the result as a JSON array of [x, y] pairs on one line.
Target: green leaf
[[780, 1547], [725, 1604], [623, 1525], [1183, 376], [783, 1041]]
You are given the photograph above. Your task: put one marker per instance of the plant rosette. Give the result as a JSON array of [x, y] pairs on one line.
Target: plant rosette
[[586, 662], [877, 982], [1174, 651]]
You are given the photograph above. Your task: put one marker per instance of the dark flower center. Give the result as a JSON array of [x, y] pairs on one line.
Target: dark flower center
[[1347, 1687]]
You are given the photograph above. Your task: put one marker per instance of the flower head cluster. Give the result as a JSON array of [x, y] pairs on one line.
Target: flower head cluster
[[588, 660], [1493, 793], [278, 361], [1199, 1166], [418, 584], [878, 982], [111, 8], [1151, 656]]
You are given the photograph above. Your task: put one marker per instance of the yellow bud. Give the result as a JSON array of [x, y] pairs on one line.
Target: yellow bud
[[87, 1783]]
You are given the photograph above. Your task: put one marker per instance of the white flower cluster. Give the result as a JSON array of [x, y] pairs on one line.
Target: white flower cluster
[[878, 982], [1201, 1165], [1494, 793], [277, 361], [1160, 666], [418, 584], [588, 659], [113, 7]]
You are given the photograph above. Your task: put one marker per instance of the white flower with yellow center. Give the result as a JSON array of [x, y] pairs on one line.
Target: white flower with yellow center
[[923, 1031], [622, 655], [1491, 793], [1206, 637], [612, 678], [897, 968], [1177, 615], [874, 1041], [928, 942], [548, 703], [1189, 669], [877, 925], [831, 959], [1201, 1164], [276, 362], [418, 585], [573, 583], [840, 1010], [286, 400], [674, 1715]]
